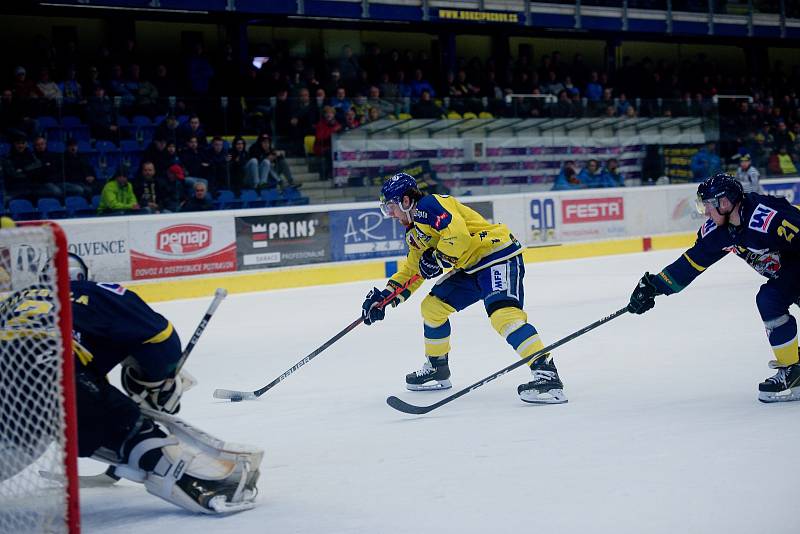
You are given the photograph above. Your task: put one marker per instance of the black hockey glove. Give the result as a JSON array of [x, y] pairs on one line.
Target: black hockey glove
[[432, 264], [370, 310], [643, 297], [161, 395]]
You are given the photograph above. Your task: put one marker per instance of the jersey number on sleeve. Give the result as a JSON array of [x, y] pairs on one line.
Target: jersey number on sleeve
[[787, 230]]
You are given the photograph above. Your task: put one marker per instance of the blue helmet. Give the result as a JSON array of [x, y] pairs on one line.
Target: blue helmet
[[395, 188], [718, 186]]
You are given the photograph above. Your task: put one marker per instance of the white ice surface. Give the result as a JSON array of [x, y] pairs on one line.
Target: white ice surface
[[662, 433]]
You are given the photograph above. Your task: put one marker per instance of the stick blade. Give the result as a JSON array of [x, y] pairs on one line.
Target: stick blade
[[403, 406], [234, 396]]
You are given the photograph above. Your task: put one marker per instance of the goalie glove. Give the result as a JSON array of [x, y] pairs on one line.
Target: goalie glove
[[160, 395], [432, 263]]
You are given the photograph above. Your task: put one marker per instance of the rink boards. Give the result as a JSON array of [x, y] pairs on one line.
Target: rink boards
[[175, 256]]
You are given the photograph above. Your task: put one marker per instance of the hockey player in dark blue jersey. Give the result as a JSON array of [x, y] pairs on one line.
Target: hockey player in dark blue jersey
[[762, 230], [136, 433]]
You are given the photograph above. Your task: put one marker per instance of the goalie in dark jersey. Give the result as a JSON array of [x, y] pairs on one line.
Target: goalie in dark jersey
[[137, 433], [763, 231]]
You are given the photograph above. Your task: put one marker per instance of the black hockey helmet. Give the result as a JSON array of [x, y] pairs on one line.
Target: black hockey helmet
[[716, 187]]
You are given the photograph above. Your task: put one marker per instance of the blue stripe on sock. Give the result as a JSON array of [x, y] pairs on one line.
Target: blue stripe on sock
[[518, 336], [438, 332], [784, 333]]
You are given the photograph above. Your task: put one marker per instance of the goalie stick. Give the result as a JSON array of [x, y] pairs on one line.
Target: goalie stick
[[405, 407], [236, 396], [109, 477], [100, 480]]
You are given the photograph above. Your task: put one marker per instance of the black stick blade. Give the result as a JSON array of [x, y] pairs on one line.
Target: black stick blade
[[403, 406]]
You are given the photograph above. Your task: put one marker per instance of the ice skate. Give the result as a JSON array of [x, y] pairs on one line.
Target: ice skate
[[784, 386], [546, 386], [434, 374]]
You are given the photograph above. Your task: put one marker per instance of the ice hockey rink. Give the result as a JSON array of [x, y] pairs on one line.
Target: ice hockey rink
[[662, 432]]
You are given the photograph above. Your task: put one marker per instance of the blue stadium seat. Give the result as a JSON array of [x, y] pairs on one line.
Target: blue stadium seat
[[182, 119], [122, 121], [22, 210], [129, 162], [141, 134], [105, 164], [69, 121], [50, 208], [85, 147], [56, 134], [57, 147], [141, 120], [105, 146], [46, 121], [78, 207], [129, 145], [95, 202], [158, 119], [272, 197], [226, 200], [5, 148], [294, 198], [251, 199]]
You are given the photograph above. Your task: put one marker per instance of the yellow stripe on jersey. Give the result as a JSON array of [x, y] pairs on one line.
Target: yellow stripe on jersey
[[83, 354], [693, 264], [161, 336]]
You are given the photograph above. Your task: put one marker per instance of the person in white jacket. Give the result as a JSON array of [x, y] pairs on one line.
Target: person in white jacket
[[748, 175]]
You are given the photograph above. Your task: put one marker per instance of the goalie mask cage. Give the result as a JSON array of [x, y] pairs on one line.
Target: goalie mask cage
[[38, 432]]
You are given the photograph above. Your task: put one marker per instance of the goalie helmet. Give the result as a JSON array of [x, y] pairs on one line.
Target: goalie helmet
[[78, 271]]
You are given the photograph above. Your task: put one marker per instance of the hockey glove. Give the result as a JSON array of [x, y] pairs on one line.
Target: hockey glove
[[161, 395], [370, 310], [643, 297], [432, 264]]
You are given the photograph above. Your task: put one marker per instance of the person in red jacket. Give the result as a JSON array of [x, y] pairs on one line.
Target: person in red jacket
[[324, 130]]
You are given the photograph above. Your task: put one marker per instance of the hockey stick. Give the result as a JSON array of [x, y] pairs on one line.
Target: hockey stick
[[236, 396], [405, 407], [109, 477]]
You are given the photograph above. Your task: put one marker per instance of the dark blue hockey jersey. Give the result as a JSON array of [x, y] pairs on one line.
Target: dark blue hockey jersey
[[112, 323], [767, 240]]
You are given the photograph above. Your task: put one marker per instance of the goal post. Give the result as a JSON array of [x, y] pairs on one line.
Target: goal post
[[38, 415]]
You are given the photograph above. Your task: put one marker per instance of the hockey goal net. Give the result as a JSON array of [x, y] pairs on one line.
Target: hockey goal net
[[38, 433]]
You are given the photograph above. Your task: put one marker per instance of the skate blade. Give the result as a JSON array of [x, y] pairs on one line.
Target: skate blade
[[782, 396], [444, 384], [554, 396]]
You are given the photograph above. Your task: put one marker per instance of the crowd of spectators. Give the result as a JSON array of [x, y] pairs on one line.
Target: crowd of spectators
[[290, 99]]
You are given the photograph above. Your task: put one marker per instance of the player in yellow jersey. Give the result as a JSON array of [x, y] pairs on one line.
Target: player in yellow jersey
[[487, 265]]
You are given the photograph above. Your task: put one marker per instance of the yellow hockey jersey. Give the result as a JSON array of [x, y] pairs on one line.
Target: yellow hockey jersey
[[460, 234]]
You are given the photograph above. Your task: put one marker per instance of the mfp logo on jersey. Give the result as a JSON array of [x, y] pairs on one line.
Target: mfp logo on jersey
[[585, 210], [499, 277], [183, 239], [760, 219]]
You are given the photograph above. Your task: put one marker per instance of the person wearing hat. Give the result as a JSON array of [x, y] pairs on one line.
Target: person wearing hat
[[175, 190], [748, 175], [23, 87]]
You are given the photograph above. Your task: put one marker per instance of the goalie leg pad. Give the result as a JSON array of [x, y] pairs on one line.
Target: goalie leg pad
[[202, 473]]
